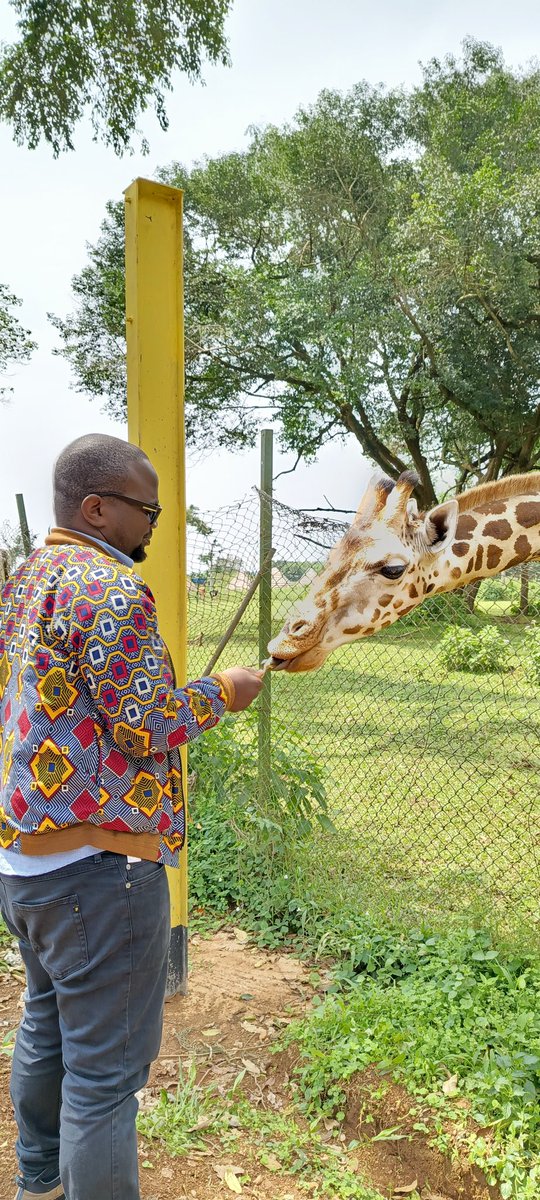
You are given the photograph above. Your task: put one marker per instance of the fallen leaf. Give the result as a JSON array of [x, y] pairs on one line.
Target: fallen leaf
[[202, 1123], [228, 1174], [251, 1027], [251, 1066], [406, 1189], [271, 1162], [210, 1033], [450, 1087]]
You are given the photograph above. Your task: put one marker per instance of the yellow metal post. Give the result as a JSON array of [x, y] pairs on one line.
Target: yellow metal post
[[155, 373]]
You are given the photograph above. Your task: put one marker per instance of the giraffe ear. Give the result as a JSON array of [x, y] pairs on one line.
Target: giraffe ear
[[440, 526]]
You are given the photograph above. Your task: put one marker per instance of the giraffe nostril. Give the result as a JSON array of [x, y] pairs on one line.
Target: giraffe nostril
[[298, 626]]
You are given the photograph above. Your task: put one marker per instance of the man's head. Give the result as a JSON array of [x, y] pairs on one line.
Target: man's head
[[86, 474]]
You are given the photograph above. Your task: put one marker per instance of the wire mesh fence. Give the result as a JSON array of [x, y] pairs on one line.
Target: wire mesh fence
[[431, 774]]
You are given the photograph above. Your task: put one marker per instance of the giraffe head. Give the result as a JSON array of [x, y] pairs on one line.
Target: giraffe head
[[379, 570]]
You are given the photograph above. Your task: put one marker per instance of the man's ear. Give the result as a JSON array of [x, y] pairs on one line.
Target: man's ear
[[92, 511], [440, 526]]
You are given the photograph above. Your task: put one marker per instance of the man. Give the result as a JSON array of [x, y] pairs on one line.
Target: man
[[91, 723]]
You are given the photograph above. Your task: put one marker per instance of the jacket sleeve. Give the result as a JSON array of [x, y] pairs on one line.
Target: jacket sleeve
[[112, 632]]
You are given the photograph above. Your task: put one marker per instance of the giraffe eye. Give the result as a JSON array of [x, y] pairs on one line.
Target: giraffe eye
[[393, 571]]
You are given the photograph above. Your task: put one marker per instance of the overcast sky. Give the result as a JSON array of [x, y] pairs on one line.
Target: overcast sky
[[283, 53]]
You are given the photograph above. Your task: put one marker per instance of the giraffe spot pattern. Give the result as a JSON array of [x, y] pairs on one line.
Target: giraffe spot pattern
[[466, 526], [479, 557], [494, 555], [522, 546], [337, 576], [502, 530], [528, 513], [460, 548]]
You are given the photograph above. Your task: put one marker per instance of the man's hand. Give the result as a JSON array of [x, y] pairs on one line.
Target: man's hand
[[247, 685]]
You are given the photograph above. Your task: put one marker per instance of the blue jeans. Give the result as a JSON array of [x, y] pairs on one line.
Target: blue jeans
[[94, 937]]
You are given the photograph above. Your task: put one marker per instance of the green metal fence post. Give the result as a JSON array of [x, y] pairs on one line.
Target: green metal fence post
[[25, 532], [265, 610]]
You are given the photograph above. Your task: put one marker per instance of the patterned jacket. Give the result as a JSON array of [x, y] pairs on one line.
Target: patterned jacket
[[90, 720]]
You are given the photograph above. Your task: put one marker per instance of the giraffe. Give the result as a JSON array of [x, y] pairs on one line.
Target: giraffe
[[392, 557]]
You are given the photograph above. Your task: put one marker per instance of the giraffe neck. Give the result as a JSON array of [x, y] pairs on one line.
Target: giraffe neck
[[490, 537]]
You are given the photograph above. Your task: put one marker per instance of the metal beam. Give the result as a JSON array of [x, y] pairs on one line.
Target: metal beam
[[155, 371], [264, 707]]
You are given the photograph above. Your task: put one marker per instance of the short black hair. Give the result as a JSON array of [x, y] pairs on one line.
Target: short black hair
[[92, 463]]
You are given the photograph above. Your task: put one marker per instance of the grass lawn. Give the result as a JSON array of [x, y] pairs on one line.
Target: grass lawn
[[433, 778]]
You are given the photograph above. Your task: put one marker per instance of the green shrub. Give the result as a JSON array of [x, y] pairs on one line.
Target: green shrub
[[533, 608], [436, 1007], [499, 588], [448, 608], [238, 838], [533, 601], [476, 651], [532, 655]]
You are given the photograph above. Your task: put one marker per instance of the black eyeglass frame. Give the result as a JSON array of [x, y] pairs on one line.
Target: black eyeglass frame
[[152, 511]]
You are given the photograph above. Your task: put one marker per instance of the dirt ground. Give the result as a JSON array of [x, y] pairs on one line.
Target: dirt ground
[[240, 998]]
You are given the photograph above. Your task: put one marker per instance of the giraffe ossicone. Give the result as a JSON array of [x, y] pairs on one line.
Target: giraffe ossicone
[[392, 557]]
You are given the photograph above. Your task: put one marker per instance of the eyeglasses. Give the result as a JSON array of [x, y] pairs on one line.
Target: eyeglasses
[[153, 511]]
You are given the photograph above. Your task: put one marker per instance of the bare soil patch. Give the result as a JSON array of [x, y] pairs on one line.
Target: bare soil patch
[[240, 998]]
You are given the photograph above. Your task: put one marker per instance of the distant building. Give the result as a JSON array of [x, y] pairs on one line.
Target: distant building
[[240, 582], [308, 577], [279, 580]]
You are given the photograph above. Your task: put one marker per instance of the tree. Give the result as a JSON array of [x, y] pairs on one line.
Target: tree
[[371, 270], [292, 570], [194, 519], [16, 345], [112, 57], [12, 549]]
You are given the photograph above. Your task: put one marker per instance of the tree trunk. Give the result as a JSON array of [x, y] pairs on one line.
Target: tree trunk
[[524, 589], [470, 592]]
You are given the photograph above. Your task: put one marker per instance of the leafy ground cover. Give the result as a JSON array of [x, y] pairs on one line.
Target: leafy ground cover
[[445, 1006], [431, 777], [458, 1021]]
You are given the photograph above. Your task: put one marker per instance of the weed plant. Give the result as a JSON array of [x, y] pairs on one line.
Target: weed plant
[[429, 1010], [425, 1005]]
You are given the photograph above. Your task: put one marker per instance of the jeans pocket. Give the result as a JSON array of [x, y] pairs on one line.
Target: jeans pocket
[[55, 930], [143, 873]]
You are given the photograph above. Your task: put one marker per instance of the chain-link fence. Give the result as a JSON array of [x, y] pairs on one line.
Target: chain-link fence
[[432, 774]]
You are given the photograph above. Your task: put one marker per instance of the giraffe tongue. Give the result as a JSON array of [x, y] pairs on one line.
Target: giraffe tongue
[[278, 664]]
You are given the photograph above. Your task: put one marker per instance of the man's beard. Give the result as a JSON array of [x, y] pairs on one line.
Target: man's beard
[[139, 553]]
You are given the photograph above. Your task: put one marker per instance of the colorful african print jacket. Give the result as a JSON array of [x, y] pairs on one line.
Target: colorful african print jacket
[[90, 721]]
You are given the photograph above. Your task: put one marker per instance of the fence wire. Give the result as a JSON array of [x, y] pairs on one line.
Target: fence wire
[[432, 775]]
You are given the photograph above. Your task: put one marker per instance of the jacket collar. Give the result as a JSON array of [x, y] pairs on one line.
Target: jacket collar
[[58, 536]]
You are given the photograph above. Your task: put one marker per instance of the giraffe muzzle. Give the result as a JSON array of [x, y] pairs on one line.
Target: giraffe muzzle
[[278, 664]]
